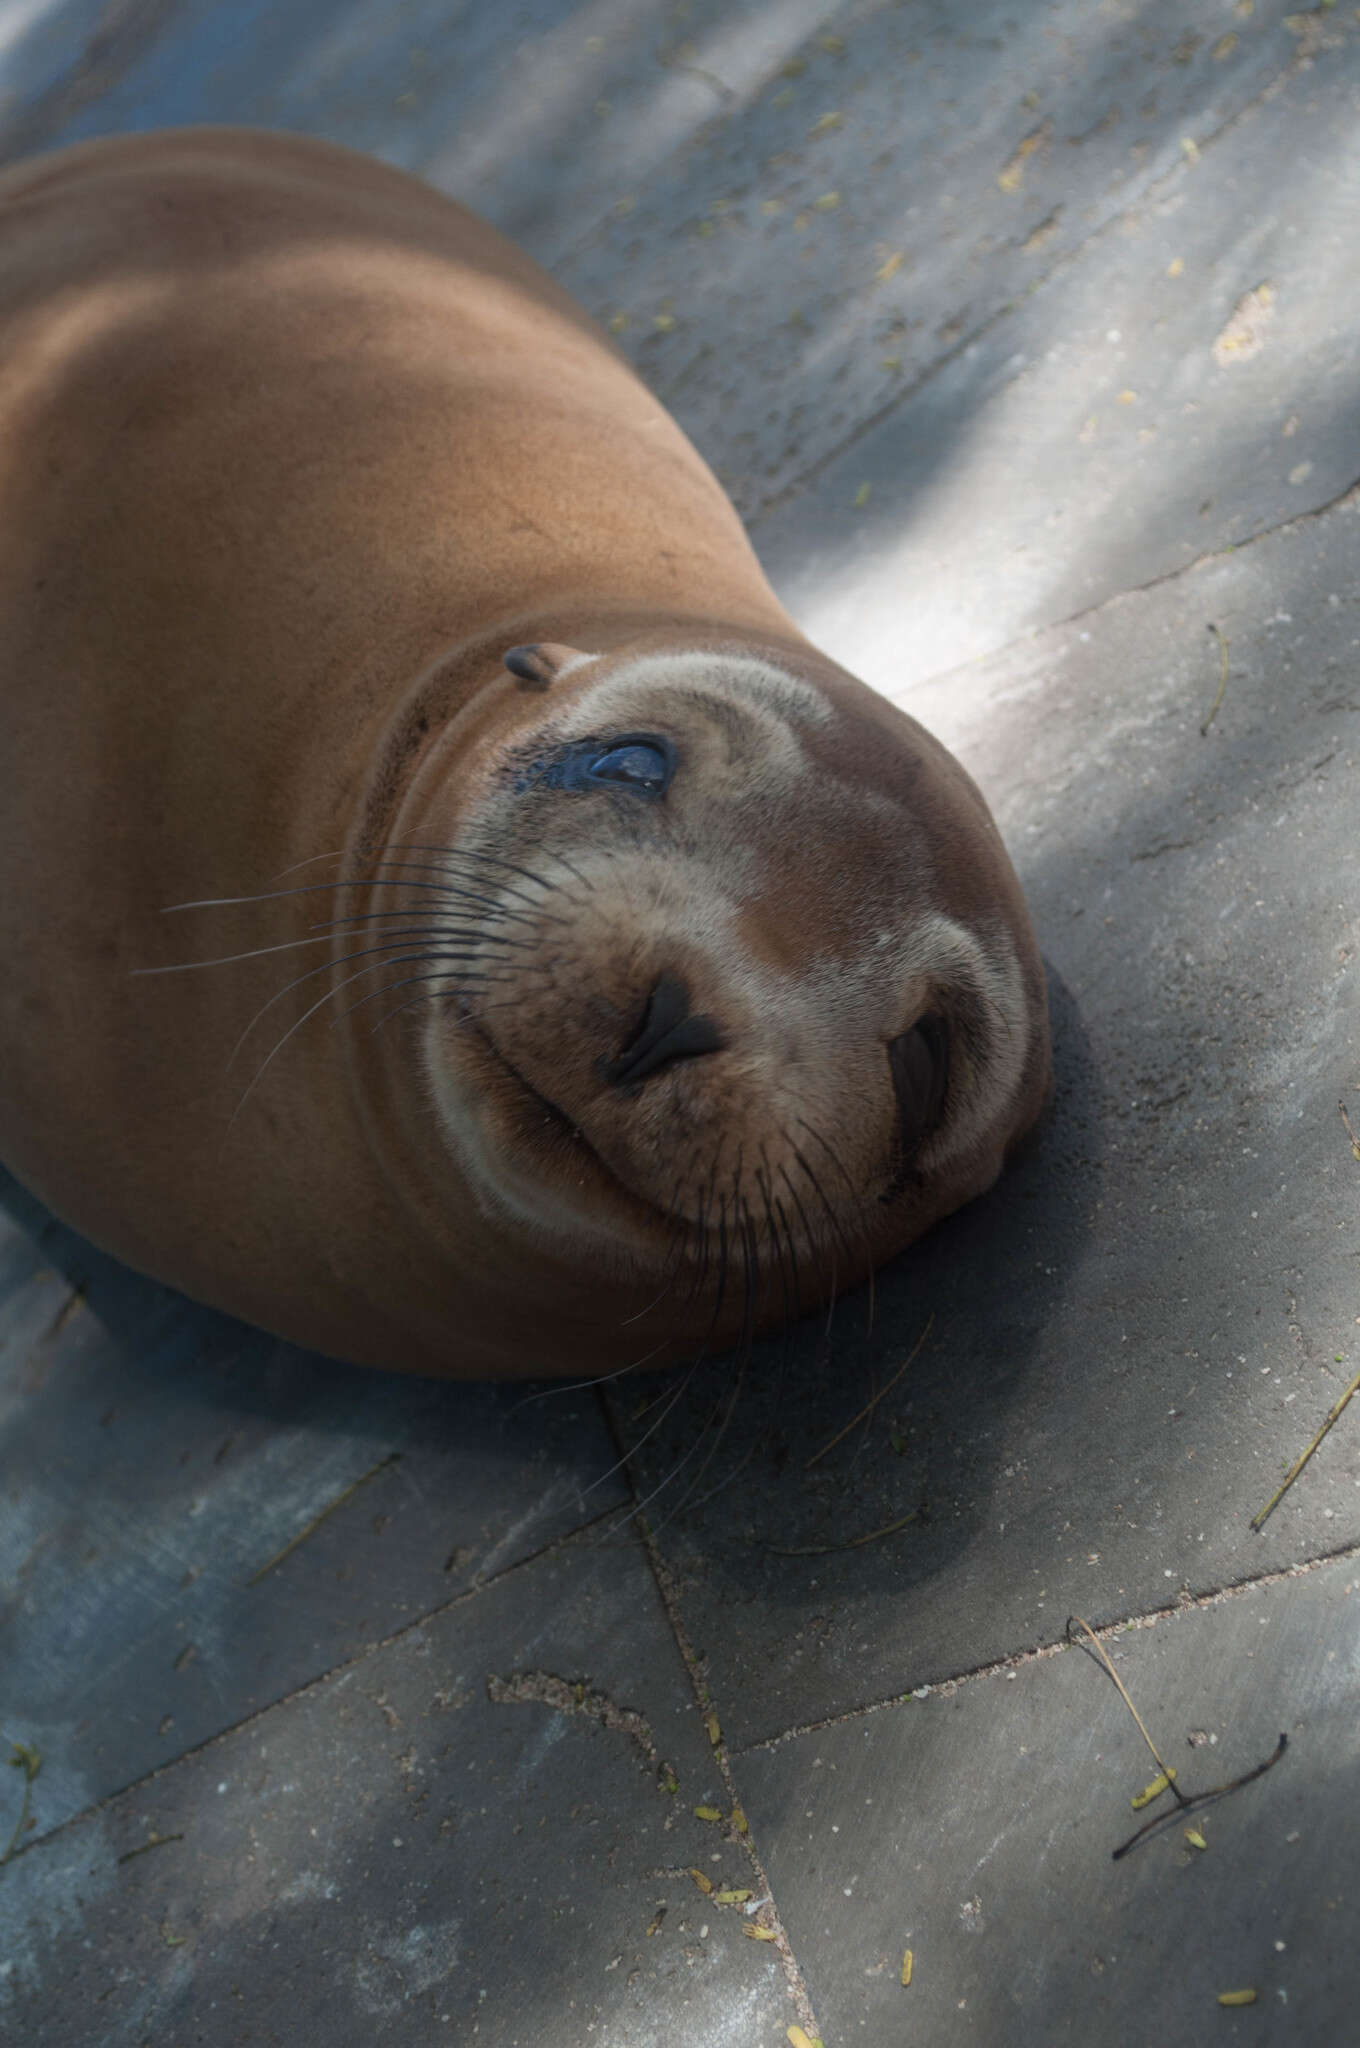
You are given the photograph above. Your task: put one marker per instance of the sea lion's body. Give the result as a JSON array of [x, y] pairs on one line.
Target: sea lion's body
[[291, 451]]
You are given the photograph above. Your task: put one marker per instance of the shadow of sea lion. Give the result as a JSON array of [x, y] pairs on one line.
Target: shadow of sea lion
[[730, 1469], [155, 1456]]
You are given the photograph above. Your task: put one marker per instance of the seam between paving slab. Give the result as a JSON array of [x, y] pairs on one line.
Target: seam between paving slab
[[1152, 193], [1007, 1666], [694, 1668], [332, 1671], [666, 1593]]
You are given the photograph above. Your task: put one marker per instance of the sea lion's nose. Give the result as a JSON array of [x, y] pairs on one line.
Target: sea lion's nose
[[669, 1031]]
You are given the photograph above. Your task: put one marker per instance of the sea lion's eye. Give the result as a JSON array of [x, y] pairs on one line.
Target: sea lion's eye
[[641, 765]]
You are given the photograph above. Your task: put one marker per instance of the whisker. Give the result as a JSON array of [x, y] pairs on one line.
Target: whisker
[[324, 933], [641, 1506], [387, 950], [492, 913], [820, 1192], [434, 995], [388, 859], [475, 855], [297, 1025], [452, 891], [635, 1447], [762, 1182], [857, 1210], [464, 982], [733, 1398]]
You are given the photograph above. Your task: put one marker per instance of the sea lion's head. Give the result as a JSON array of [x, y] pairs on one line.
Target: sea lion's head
[[731, 972]]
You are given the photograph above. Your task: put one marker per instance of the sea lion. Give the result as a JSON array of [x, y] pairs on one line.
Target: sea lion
[[620, 976]]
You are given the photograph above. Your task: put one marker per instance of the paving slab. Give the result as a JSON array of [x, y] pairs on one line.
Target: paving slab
[[1142, 1327], [156, 1463], [469, 1834], [975, 1828]]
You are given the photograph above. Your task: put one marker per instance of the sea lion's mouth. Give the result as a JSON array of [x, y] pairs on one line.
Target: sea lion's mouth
[[544, 1105], [554, 1136]]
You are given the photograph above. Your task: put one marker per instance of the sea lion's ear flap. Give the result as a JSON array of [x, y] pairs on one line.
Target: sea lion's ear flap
[[541, 665]]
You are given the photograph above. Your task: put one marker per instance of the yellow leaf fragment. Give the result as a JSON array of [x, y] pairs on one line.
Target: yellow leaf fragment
[[1190, 149], [705, 1884], [1195, 1839], [754, 1933], [1237, 1998], [711, 1723], [1011, 175], [1152, 1791], [828, 202], [827, 122], [833, 44], [862, 496], [663, 322], [889, 267], [1244, 335], [1176, 266], [1224, 47], [907, 1963], [735, 1897], [739, 1821], [707, 1813]]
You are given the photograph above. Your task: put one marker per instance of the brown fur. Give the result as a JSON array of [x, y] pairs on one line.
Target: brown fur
[[292, 450]]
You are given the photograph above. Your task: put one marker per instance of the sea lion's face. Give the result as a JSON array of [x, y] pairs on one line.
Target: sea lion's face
[[738, 974]]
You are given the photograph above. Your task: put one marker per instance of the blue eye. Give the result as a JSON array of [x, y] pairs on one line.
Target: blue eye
[[643, 766], [640, 764]]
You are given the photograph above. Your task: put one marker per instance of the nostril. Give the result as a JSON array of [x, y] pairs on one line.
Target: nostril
[[919, 1062], [668, 1032]]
